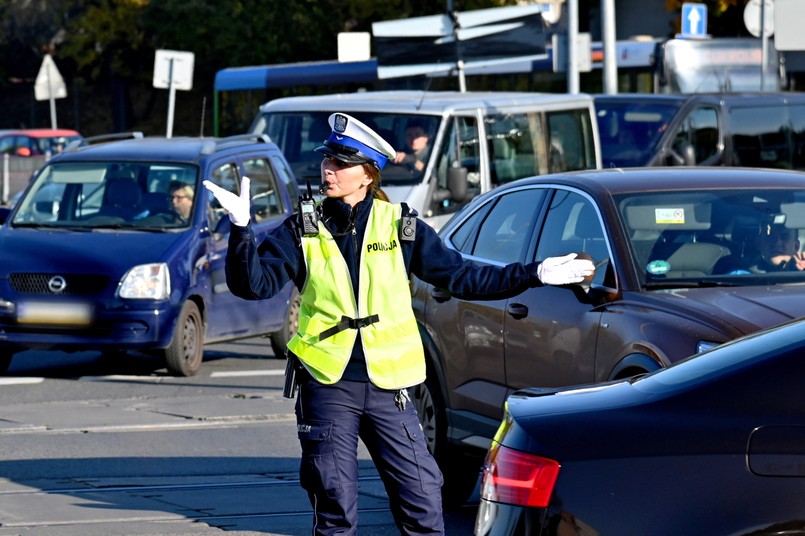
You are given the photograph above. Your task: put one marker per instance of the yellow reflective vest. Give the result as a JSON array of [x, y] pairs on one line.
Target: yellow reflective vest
[[330, 318]]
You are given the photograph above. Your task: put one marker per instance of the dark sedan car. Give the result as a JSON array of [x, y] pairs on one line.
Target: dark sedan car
[[714, 444], [680, 270]]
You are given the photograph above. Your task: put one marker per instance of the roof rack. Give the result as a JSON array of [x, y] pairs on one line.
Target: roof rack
[[72, 146], [211, 146]]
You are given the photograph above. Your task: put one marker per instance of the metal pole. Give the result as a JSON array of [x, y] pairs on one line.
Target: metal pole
[[764, 46], [171, 98], [572, 46], [6, 173], [462, 81], [610, 50], [51, 98]]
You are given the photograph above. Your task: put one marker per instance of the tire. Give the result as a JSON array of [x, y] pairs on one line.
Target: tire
[[280, 338], [459, 469], [5, 361], [186, 351]]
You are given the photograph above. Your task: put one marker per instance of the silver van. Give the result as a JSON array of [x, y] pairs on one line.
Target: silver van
[[476, 141]]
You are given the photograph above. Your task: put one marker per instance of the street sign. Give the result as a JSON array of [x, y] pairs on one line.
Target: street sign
[[752, 17], [443, 43], [173, 66], [173, 70], [49, 85], [354, 46], [49, 82], [560, 49], [694, 20]]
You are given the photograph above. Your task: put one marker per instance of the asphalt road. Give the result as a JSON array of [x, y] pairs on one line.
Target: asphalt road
[[95, 447]]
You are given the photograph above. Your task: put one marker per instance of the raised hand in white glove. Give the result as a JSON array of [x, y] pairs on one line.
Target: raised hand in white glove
[[564, 270], [238, 206]]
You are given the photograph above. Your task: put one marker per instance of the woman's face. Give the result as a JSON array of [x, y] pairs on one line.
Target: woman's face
[[343, 181], [182, 202]]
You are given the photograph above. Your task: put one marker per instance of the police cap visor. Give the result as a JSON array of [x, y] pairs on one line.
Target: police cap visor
[[342, 153]]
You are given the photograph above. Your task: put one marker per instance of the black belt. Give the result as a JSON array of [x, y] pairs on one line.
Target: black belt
[[349, 323]]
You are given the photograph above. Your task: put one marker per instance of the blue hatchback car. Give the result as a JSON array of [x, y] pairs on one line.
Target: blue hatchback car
[[117, 246]]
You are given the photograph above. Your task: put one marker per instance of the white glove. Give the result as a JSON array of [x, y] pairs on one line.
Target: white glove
[[564, 270], [239, 207]]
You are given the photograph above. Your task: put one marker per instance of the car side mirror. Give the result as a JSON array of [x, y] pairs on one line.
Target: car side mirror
[[457, 183], [4, 212]]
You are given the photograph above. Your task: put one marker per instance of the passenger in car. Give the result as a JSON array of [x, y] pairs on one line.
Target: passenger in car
[[358, 341], [417, 147], [778, 249], [181, 198]]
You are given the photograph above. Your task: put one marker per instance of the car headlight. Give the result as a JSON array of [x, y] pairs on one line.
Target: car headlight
[[146, 282], [702, 346]]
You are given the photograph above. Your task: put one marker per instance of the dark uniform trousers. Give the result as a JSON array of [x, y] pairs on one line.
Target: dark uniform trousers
[[330, 418]]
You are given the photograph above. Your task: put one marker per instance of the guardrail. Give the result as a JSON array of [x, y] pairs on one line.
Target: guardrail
[[16, 173]]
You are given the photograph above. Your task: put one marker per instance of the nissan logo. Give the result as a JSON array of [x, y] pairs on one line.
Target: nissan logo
[[57, 284]]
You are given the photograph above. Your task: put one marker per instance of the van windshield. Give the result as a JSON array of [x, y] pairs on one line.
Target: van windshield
[[631, 131], [299, 133]]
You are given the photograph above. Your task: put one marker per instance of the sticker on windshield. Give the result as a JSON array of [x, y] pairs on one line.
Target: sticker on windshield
[[658, 267], [669, 215]]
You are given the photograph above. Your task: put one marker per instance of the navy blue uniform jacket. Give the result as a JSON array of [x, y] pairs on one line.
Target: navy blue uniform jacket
[[255, 272]]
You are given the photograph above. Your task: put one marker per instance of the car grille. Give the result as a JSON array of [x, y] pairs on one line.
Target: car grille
[[76, 284]]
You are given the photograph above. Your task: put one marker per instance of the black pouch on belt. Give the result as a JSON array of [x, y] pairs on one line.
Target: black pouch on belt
[[291, 383]]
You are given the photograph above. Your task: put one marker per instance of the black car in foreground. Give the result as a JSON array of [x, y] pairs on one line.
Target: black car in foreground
[[714, 444]]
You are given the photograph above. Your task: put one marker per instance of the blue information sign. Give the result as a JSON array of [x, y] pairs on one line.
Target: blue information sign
[[694, 20]]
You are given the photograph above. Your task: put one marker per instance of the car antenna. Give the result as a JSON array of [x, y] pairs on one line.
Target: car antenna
[[203, 108]]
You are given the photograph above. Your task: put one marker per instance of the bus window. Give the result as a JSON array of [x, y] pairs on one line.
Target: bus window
[[716, 65]]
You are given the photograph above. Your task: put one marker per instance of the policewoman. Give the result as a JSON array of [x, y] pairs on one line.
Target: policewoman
[[358, 342]]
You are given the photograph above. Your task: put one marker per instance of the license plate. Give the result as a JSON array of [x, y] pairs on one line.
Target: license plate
[[65, 314]]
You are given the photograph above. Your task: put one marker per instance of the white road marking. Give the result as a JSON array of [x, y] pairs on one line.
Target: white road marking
[[20, 381], [121, 378], [237, 373]]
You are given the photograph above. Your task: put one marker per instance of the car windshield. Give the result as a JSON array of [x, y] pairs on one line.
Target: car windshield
[[299, 133], [631, 131], [715, 237], [96, 195]]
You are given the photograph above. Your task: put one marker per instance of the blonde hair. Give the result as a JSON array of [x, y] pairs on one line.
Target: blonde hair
[[374, 186]]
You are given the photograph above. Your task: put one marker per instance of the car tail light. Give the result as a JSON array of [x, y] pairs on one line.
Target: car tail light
[[515, 477]]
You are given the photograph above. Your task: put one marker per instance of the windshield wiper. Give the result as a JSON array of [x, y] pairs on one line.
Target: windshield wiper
[[680, 283], [50, 227]]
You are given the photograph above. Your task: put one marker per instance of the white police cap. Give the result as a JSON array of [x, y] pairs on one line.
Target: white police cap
[[354, 143]]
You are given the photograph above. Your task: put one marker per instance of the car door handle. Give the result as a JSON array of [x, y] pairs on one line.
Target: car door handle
[[440, 295], [517, 310]]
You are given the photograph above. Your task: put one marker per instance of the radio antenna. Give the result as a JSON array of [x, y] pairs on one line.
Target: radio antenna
[[203, 109]]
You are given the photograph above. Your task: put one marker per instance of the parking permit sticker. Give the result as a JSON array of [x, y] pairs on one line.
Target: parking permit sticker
[[658, 267], [673, 216]]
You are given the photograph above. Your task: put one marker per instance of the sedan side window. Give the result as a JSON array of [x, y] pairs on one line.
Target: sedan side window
[[572, 226], [506, 231], [265, 196], [225, 176]]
